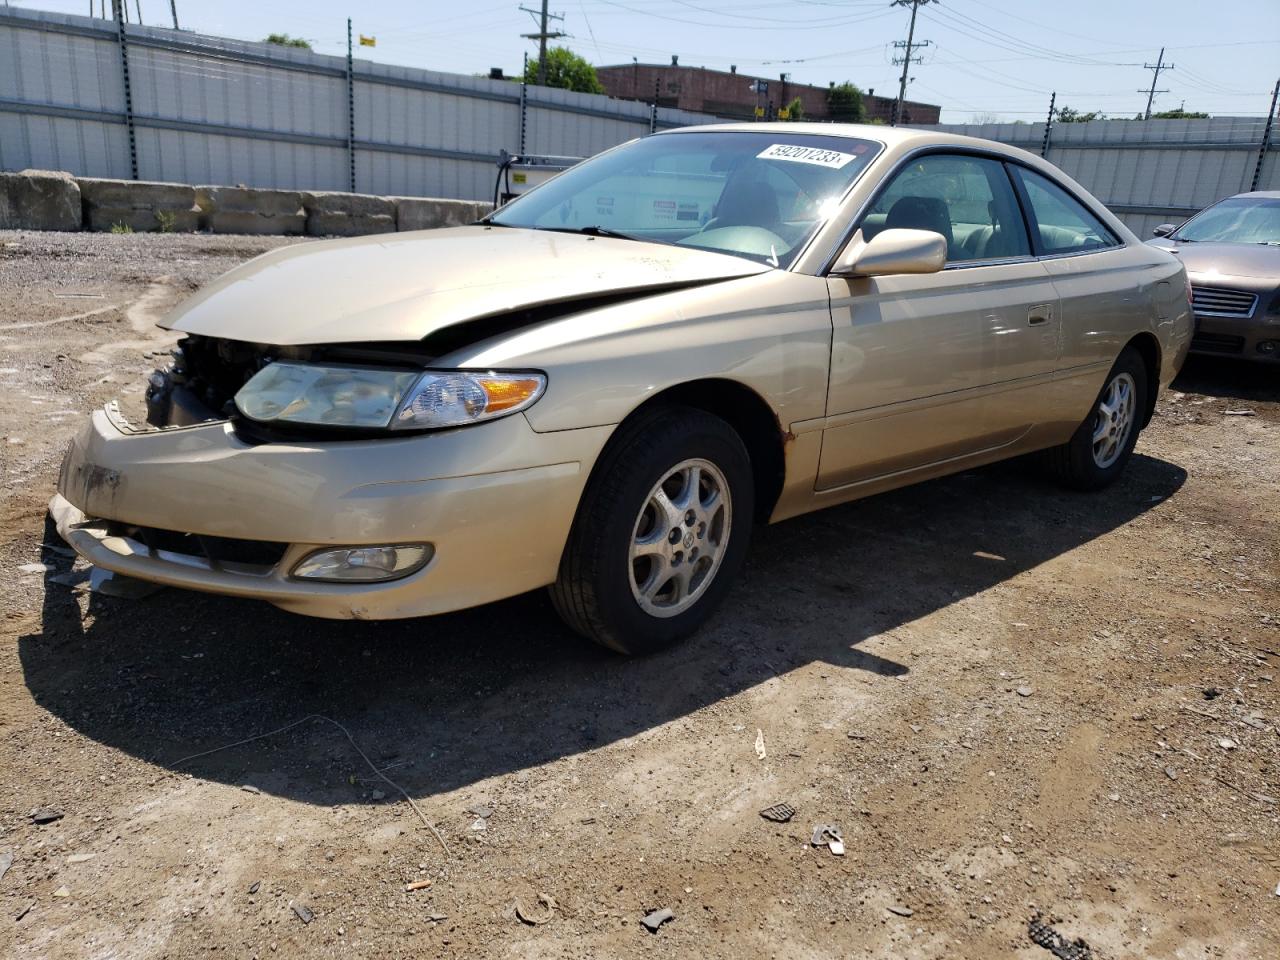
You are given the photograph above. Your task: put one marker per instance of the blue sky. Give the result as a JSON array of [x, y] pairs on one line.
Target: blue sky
[[987, 57]]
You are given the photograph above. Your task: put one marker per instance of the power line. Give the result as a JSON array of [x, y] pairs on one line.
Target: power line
[[907, 58], [1156, 69]]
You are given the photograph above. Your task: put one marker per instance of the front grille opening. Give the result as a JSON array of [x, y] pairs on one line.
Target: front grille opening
[[262, 554], [1217, 343], [1221, 302]]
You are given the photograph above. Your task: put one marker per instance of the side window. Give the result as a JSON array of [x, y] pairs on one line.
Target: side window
[[969, 200], [1062, 223]]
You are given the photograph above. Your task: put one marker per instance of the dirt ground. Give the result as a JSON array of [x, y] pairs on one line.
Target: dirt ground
[[1012, 700]]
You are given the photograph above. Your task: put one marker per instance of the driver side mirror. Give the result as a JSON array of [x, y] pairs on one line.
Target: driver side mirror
[[893, 251], [1164, 229]]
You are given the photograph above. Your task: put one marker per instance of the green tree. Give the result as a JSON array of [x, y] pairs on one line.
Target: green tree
[[1179, 114], [1067, 115], [844, 102], [284, 40], [566, 70], [795, 109]]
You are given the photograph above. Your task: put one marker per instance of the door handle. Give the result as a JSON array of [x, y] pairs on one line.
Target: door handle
[[1039, 314]]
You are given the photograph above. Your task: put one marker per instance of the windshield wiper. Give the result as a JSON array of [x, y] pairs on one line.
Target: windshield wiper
[[595, 230]]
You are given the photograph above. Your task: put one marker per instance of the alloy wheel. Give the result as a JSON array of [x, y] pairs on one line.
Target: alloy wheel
[[1114, 420]]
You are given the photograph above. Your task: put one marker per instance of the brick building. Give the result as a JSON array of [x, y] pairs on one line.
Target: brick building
[[729, 94]]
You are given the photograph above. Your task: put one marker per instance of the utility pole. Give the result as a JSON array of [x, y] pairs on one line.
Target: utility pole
[[542, 36], [1048, 125], [173, 8], [1156, 69], [907, 59]]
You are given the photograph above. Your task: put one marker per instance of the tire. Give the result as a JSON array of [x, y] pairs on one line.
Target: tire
[[611, 586], [1098, 451]]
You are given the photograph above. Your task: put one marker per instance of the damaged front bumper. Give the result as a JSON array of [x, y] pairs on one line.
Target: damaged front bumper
[[200, 508]]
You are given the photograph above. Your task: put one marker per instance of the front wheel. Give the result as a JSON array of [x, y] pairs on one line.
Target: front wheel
[[1097, 452], [660, 534]]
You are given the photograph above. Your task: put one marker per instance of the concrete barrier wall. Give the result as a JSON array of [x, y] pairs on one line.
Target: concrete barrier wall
[[51, 200]]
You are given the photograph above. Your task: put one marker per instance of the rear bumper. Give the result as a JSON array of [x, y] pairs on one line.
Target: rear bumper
[[494, 501]]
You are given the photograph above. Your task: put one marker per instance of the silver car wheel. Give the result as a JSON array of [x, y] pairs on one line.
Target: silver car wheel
[[1114, 420], [679, 538]]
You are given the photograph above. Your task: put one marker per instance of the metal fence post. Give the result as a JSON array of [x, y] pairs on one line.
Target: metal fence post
[[1048, 125], [117, 8], [351, 113], [524, 113], [1266, 138]]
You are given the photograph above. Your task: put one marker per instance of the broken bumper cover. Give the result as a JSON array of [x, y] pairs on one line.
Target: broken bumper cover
[[494, 502]]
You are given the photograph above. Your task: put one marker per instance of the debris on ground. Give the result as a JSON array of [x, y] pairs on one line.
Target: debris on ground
[[249, 788], [779, 812], [899, 910], [33, 568], [1042, 934], [481, 810], [657, 918], [62, 893], [303, 911], [6, 861], [111, 584], [1026, 691], [46, 815], [760, 752], [536, 918], [416, 885], [1239, 413], [80, 857], [825, 835], [254, 887], [24, 910]]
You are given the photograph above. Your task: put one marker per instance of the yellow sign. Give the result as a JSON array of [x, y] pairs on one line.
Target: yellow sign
[[368, 41], [520, 177], [759, 111], [784, 114]]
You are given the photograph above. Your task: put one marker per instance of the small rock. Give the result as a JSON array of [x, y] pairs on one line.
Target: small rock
[[900, 910], [303, 911], [249, 788], [254, 887], [23, 910], [378, 795], [479, 825], [1226, 743], [657, 918], [46, 815], [62, 893], [33, 568], [481, 810], [1171, 773], [81, 857], [1025, 691], [1114, 797], [6, 861]]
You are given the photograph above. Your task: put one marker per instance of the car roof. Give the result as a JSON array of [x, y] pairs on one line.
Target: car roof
[[891, 137]]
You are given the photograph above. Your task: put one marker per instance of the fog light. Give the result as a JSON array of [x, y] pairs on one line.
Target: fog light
[[1268, 346], [364, 564]]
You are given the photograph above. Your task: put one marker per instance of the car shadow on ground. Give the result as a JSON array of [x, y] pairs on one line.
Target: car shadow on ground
[[455, 699], [1230, 378]]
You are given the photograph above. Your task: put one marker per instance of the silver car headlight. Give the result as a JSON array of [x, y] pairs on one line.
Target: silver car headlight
[[379, 399]]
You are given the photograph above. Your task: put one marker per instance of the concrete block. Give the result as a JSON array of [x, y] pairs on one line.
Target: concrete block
[[427, 213], [348, 214], [39, 200], [139, 204], [248, 210]]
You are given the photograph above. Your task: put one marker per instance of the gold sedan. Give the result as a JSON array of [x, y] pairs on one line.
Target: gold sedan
[[602, 386]]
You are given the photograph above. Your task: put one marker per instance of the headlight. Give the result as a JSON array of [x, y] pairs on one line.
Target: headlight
[[371, 398]]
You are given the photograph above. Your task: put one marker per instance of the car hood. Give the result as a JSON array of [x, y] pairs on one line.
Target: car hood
[[406, 286], [1229, 259]]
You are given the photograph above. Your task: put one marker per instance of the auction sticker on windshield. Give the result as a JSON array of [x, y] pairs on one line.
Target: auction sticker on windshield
[[798, 154]]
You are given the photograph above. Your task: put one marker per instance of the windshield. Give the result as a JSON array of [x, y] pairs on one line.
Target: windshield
[[1237, 220], [755, 195]]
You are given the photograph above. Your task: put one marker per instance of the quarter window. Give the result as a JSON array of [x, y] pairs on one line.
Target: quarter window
[[968, 200], [1061, 222]]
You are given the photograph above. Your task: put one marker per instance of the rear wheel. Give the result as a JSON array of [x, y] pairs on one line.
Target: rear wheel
[[1097, 452], [660, 534]]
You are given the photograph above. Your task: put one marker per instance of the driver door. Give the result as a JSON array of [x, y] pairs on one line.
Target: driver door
[[917, 360]]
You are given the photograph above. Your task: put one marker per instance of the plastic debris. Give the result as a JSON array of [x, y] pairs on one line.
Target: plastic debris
[[1042, 934], [760, 751], [779, 812], [533, 919], [657, 918], [416, 885], [111, 584], [829, 836]]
